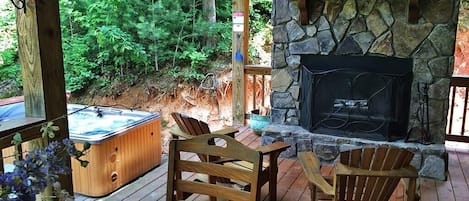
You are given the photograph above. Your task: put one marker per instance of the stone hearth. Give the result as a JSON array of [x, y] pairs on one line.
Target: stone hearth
[[429, 159], [364, 28]]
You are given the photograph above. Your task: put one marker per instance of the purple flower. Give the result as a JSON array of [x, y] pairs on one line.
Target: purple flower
[[37, 170]]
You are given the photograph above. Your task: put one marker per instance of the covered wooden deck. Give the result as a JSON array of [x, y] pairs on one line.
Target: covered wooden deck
[[292, 184]]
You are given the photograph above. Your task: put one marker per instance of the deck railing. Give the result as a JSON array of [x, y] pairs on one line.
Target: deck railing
[[258, 79], [29, 129], [456, 128]]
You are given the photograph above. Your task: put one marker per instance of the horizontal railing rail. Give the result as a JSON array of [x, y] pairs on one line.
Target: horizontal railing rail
[[29, 129], [456, 129]]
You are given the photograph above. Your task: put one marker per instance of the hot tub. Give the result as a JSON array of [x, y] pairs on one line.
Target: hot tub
[[124, 145]]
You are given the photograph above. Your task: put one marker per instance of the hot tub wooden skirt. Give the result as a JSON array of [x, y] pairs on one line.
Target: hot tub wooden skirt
[[118, 160]]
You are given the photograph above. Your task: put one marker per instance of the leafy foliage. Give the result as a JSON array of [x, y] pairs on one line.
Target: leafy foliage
[[259, 15], [117, 40], [79, 70], [10, 68], [10, 73], [120, 41], [463, 22]]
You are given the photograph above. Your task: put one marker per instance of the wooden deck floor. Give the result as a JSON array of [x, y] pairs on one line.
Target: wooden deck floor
[[292, 184]]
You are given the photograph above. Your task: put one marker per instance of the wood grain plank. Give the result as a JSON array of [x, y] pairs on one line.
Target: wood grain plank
[[458, 182], [444, 190], [146, 180], [288, 179], [294, 191], [464, 164], [284, 166]]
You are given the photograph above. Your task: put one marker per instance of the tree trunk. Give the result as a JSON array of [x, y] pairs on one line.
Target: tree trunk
[[209, 9]]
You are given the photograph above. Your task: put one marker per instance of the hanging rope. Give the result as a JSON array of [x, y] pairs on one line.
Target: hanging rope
[[210, 84]]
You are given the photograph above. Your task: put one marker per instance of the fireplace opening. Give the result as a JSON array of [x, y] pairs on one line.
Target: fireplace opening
[[364, 97]]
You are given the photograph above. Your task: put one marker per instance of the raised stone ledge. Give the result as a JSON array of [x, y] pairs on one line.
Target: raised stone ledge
[[430, 160]]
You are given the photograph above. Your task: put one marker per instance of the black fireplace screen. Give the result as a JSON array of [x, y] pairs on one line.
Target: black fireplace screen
[[364, 97]]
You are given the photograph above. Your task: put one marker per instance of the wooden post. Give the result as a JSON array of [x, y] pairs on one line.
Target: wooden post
[[41, 58], [239, 58], [414, 10], [246, 53], [304, 14]]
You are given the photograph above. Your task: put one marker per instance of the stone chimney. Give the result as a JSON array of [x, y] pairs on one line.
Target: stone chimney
[[377, 28]]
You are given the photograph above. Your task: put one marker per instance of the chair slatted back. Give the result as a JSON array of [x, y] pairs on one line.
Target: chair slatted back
[[190, 125], [193, 127], [364, 187], [200, 145]]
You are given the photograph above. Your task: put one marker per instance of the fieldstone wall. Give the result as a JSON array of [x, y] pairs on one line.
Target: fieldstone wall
[[371, 28]]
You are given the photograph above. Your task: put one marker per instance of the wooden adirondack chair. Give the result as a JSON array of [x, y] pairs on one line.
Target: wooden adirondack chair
[[368, 174], [201, 145], [189, 127]]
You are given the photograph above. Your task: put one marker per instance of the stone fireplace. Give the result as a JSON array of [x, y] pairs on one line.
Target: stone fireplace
[[371, 45], [364, 97]]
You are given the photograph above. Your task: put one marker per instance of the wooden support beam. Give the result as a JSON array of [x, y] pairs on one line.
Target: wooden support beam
[[240, 39], [246, 31], [246, 53], [414, 10], [41, 59]]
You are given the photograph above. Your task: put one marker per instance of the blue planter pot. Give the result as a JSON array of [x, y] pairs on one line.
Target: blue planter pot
[[258, 122]]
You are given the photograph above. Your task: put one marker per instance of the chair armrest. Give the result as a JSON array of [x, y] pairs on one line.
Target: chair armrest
[[226, 131], [275, 147], [312, 169], [178, 133], [406, 172]]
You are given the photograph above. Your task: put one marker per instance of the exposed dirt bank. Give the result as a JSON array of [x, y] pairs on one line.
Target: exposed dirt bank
[[211, 106]]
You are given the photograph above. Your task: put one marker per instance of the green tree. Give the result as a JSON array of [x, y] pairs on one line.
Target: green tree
[[125, 42]]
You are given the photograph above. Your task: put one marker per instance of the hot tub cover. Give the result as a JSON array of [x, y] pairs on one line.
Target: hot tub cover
[[11, 111]]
